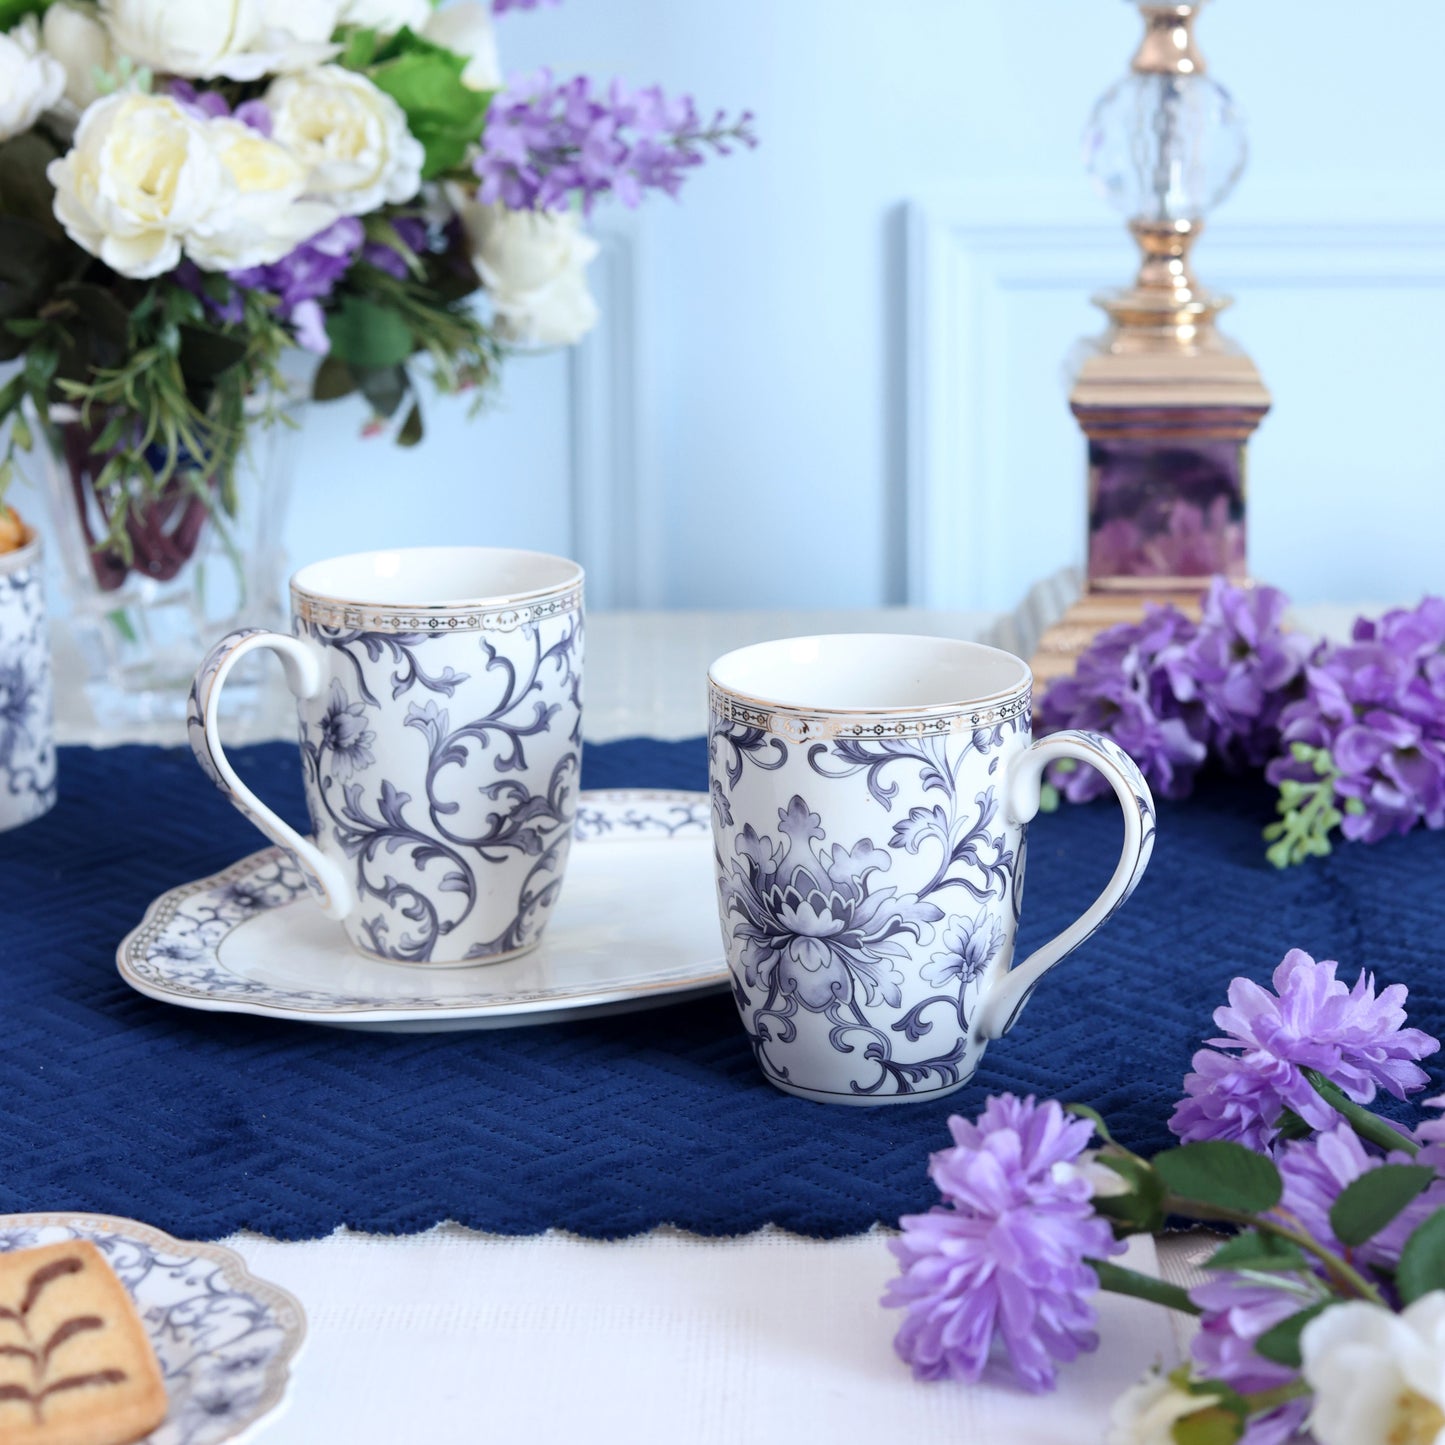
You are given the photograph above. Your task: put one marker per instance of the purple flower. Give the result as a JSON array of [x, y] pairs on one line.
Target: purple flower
[[1377, 706], [1122, 688], [345, 733], [411, 232], [811, 922], [1237, 1310], [212, 105], [1316, 1170], [1000, 1267], [500, 7], [1240, 667], [547, 141], [306, 276], [1312, 1021]]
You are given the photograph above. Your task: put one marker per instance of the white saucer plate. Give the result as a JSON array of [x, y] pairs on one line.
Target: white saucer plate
[[636, 926], [225, 1340]]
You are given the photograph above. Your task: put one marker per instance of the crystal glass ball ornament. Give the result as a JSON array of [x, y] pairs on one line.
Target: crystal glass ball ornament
[[1165, 147]]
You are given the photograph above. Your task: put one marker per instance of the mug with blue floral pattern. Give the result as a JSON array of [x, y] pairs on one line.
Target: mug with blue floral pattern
[[27, 740], [439, 692], [870, 799]]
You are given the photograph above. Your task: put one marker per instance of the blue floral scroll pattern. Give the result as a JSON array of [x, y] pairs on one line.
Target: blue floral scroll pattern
[[224, 1340], [27, 745], [380, 823], [815, 926]]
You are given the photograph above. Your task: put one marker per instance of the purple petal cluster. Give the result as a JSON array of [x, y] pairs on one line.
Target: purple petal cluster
[[1170, 691], [1236, 1310], [1243, 1082], [1315, 1172], [1122, 687], [500, 7], [305, 277], [998, 1272], [212, 105], [1377, 705], [411, 232], [548, 141]]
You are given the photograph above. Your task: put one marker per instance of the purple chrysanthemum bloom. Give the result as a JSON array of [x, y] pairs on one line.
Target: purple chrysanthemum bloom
[[1241, 666], [547, 141], [1237, 1310], [1352, 1036], [1000, 1268], [1121, 687], [1316, 1170]]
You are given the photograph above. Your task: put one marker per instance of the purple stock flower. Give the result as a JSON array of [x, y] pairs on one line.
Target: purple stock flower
[[1316, 1170], [1237, 1310], [1122, 688], [1312, 1021], [1240, 667], [212, 105], [1377, 706], [411, 231], [547, 141], [305, 277], [999, 1269], [500, 7]]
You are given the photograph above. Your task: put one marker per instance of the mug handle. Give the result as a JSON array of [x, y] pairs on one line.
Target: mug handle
[[304, 676], [1023, 789]]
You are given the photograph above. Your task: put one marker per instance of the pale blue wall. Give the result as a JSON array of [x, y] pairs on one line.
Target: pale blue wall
[[768, 346]]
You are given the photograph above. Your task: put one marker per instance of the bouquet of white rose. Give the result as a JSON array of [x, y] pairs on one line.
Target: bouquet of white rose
[[191, 188]]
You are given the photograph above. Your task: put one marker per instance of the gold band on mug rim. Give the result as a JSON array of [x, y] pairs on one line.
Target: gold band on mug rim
[[800, 726], [501, 616]]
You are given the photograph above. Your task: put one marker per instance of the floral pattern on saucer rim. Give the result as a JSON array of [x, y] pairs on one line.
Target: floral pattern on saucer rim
[[225, 1339], [176, 953]]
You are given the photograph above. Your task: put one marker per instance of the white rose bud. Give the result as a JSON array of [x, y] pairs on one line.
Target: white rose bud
[[1378, 1377], [82, 45], [140, 176], [1145, 1414], [467, 29], [533, 264], [30, 80], [387, 16], [263, 216], [350, 136]]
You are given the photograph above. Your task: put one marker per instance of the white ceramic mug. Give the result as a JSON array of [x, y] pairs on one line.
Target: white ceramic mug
[[27, 730], [439, 691], [870, 799]]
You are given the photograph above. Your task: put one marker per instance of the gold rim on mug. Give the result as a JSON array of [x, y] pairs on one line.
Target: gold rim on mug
[[502, 612], [799, 724]]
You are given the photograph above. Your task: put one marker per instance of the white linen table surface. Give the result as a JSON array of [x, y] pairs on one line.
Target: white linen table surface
[[457, 1338]]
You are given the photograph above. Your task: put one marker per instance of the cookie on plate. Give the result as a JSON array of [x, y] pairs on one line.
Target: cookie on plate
[[76, 1365]]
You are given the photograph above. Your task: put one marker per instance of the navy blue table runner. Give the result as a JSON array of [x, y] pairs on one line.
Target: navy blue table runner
[[207, 1123]]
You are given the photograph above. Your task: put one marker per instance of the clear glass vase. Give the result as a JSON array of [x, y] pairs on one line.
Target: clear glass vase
[[197, 570]]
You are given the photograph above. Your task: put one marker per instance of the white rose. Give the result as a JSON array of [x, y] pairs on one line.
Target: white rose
[[30, 80], [82, 45], [237, 39], [533, 264], [139, 176], [350, 136], [263, 216], [467, 29], [387, 16], [1378, 1377], [1145, 1413]]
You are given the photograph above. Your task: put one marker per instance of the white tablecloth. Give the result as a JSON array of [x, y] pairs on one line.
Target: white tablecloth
[[458, 1337]]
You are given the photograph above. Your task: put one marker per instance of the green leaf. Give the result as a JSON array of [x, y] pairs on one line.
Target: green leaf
[[1220, 1174], [205, 354], [1367, 1204], [359, 47], [334, 379], [1083, 1111], [1422, 1262], [1118, 1280], [1141, 1210], [12, 12], [411, 429], [384, 388], [1209, 1426], [1249, 1250], [442, 112], [24, 189], [1281, 1344], [367, 334]]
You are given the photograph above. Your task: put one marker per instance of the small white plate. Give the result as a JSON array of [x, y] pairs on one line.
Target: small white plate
[[637, 925], [225, 1340]]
